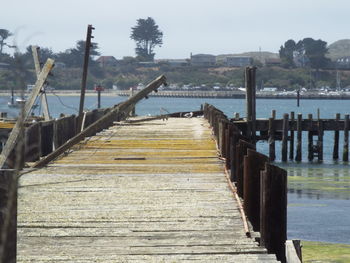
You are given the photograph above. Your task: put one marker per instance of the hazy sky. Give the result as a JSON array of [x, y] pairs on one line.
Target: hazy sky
[[197, 26]]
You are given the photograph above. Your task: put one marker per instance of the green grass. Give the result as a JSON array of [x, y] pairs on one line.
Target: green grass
[[325, 252]]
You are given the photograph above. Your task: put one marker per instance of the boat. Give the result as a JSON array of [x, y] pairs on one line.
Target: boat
[[18, 102]]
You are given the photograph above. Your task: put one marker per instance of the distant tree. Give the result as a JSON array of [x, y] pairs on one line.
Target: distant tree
[[4, 34], [306, 52], [147, 36], [286, 52], [316, 51], [74, 57]]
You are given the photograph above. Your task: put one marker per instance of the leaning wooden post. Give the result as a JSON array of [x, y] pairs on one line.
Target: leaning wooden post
[[310, 139], [298, 156], [36, 57], [15, 133], [346, 138], [285, 138], [336, 139], [104, 121], [84, 78], [272, 153], [273, 210], [291, 142]]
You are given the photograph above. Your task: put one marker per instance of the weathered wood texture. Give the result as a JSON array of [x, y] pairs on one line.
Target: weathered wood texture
[[150, 191]]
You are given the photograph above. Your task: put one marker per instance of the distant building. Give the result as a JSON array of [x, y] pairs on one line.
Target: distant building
[[269, 89], [343, 62], [300, 59], [174, 62], [238, 61], [107, 61], [273, 62], [203, 60], [60, 65], [4, 66]]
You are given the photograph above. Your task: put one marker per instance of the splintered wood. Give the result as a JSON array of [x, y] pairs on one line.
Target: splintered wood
[[150, 191]]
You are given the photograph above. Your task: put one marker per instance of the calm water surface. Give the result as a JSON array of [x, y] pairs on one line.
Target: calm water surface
[[318, 194]]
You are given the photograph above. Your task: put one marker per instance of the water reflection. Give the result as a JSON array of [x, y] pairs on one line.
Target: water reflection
[[319, 182]]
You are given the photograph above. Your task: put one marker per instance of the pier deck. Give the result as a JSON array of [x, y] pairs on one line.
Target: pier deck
[[151, 191]]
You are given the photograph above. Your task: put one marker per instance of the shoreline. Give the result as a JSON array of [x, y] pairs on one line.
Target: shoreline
[[196, 94]]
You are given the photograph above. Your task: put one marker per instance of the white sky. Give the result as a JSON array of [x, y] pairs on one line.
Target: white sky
[[198, 26]]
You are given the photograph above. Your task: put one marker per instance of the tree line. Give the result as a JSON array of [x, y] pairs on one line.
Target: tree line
[[307, 52]]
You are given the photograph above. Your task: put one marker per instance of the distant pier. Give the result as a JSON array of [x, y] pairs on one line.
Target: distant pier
[[239, 94]]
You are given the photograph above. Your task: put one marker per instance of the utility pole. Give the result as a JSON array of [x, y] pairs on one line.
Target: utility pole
[[85, 69]]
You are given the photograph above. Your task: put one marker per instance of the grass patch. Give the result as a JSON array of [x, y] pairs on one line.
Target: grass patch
[[325, 252]]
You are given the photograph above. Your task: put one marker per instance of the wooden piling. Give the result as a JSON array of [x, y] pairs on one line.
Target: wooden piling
[[250, 102], [254, 163], [346, 138], [310, 139], [298, 156], [273, 210], [336, 139], [273, 114], [271, 141], [285, 137], [291, 141], [298, 98], [320, 140]]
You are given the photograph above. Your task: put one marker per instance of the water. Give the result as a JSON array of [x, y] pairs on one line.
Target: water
[[318, 194]]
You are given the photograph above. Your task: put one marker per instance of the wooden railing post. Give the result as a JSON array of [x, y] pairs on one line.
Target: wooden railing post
[[273, 210], [254, 163], [242, 149]]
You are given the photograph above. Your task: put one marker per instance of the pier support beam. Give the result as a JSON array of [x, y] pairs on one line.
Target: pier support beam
[[272, 154], [285, 137], [298, 156], [310, 140], [251, 102], [336, 139], [291, 142], [346, 139]]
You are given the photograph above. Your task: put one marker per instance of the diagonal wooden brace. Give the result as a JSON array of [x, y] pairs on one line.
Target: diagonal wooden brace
[[13, 138]]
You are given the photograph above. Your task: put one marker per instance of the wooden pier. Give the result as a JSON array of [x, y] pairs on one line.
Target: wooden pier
[[146, 191]]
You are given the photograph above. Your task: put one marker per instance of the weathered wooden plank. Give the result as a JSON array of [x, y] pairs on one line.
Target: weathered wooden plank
[[167, 200]]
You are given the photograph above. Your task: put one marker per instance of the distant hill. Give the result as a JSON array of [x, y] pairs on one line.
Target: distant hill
[[256, 55], [340, 48]]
